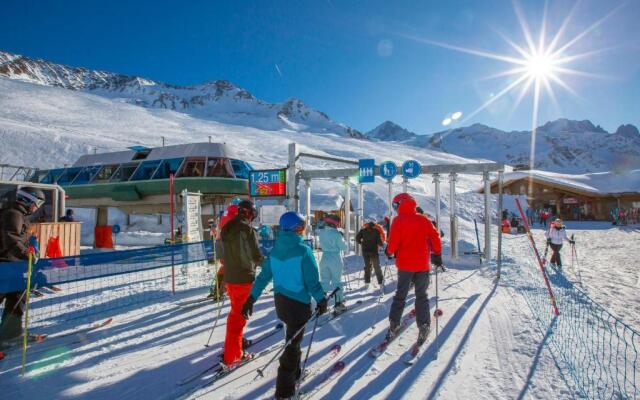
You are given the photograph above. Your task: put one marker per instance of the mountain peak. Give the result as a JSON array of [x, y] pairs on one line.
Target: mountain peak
[[390, 131], [219, 100], [564, 125], [629, 131]]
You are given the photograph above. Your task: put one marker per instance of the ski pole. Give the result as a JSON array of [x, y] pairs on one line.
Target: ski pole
[[26, 316], [260, 371], [215, 324], [306, 357], [436, 315]]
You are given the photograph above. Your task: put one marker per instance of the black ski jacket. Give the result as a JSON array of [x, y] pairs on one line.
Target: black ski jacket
[[14, 233], [370, 240], [240, 251]]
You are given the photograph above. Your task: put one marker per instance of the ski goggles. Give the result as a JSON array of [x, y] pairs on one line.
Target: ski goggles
[[31, 198]]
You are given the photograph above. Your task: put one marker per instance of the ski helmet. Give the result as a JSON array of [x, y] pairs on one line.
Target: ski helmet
[[399, 199], [247, 209], [332, 220], [293, 222], [235, 201], [28, 196]]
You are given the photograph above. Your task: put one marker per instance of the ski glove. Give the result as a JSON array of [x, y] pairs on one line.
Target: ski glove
[[436, 259], [572, 241], [322, 306], [247, 308], [548, 241]]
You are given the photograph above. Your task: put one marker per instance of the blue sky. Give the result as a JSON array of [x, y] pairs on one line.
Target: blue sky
[[358, 61]]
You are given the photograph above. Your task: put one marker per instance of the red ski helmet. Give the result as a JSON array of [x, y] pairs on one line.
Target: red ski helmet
[[399, 199]]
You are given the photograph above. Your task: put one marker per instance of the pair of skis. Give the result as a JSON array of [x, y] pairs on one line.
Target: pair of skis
[[219, 372]]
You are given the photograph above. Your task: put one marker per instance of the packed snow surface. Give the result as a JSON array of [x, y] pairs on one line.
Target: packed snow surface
[[488, 343]]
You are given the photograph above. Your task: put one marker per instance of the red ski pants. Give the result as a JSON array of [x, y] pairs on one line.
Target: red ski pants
[[238, 294]]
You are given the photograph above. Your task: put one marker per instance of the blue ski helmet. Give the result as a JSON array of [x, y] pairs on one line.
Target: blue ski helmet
[[235, 201], [292, 221]]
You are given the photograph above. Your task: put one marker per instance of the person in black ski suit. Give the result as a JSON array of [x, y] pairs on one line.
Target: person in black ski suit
[[370, 240], [14, 246]]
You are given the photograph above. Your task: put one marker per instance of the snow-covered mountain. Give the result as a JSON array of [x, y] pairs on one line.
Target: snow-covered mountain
[[562, 145], [218, 100], [389, 131]]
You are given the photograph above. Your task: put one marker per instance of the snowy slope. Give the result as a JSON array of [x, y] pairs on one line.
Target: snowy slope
[[489, 344], [563, 145], [217, 100], [390, 132], [50, 126]]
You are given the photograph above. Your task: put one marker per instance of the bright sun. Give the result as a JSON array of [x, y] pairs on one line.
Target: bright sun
[[539, 66]]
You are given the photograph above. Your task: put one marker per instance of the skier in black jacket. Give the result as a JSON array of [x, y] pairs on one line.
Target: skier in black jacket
[[370, 240], [241, 255], [14, 246]]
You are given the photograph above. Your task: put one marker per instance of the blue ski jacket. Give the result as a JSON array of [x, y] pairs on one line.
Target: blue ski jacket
[[293, 268]]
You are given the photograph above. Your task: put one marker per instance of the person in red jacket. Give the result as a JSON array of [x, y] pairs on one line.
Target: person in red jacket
[[412, 241]]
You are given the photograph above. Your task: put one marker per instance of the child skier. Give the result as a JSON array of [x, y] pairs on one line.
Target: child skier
[[294, 271], [556, 235], [332, 244]]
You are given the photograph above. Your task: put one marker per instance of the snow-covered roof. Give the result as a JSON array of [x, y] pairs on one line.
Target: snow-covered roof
[[158, 153], [598, 183]]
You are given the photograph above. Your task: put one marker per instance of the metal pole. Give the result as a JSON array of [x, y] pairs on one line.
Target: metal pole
[[360, 218], [452, 213], [436, 181], [307, 188], [292, 180], [499, 256], [390, 183], [487, 218], [405, 184], [347, 214]]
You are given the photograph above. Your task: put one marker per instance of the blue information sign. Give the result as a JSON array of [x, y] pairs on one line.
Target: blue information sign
[[367, 168], [411, 169], [115, 229], [388, 170]]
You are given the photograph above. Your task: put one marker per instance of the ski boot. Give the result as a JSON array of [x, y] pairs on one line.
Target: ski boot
[[394, 327], [339, 308], [246, 356], [423, 333], [246, 343]]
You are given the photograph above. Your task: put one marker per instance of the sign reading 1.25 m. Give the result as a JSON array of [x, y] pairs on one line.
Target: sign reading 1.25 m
[[268, 183]]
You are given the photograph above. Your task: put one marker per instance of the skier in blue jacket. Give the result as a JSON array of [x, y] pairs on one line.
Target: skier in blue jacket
[[331, 265], [293, 269]]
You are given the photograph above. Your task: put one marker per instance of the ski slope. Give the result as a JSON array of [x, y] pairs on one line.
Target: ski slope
[[489, 344]]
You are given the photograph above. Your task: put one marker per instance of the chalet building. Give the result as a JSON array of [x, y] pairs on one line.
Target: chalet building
[[575, 197]]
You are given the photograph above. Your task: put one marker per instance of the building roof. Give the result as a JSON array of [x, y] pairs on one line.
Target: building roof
[[597, 183], [158, 153]]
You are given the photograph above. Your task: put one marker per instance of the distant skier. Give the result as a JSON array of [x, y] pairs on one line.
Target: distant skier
[[293, 269], [413, 240], [556, 235], [14, 246], [241, 255], [332, 244], [371, 241]]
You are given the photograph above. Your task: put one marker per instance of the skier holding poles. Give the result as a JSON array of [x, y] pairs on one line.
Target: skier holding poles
[[14, 246], [555, 237], [294, 271], [241, 255], [413, 237]]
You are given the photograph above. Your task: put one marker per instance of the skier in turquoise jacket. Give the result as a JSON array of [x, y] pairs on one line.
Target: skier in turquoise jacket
[[331, 265], [294, 271]]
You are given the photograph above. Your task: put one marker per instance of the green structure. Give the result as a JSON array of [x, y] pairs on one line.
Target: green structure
[[137, 180]]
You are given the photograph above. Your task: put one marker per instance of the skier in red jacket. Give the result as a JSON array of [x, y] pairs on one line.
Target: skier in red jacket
[[412, 240]]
